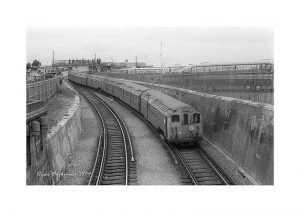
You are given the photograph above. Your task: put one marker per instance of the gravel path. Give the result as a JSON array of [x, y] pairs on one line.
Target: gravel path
[[154, 165]]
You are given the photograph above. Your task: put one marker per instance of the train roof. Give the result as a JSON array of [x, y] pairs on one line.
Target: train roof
[[133, 88], [136, 86], [163, 102]]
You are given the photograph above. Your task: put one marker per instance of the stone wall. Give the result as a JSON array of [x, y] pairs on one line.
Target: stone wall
[[243, 129]]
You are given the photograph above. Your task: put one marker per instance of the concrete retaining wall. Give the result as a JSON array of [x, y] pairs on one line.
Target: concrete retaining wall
[[220, 85], [243, 129], [60, 141], [58, 147]]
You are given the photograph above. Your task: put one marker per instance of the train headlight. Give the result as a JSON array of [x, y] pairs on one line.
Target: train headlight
[[191, 127]]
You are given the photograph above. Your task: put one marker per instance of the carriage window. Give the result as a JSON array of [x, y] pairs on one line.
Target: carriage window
[[175, 118], [185, 119], [196, 118]]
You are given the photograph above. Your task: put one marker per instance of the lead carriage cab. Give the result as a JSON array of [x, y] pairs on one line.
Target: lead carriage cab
[[185, 126]]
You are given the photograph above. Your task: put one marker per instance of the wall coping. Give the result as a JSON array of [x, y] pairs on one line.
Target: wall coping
[[227, 99]]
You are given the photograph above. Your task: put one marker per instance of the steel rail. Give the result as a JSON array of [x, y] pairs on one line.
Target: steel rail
[[149, 125], [103, 159], [212, 166], [99, 140], [213, 163], [128, 135], [186, 166], [124, 140]]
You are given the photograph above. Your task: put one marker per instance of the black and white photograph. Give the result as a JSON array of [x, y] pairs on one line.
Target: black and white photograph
[[149, 105]]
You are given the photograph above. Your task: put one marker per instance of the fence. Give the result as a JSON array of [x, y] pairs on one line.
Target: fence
[[41, 90]]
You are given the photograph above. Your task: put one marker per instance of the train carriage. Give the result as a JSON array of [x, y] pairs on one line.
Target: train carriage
[[90, 81], [80, 79], [83, 80], [107, 87], [127, 91], [96, 83], [101, 83], [136, 91], [75, 78], [110, 87], [119, 90], [144, 104], [177, 121]]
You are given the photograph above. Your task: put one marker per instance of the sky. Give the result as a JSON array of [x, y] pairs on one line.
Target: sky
[[180, 45]]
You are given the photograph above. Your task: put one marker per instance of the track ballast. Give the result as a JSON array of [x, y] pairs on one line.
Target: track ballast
[[200, 167], [114, 163]]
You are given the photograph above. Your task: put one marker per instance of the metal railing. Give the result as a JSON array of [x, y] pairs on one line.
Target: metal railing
[[41, 90]]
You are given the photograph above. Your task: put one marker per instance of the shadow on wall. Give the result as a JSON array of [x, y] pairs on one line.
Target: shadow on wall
[[242, 129]]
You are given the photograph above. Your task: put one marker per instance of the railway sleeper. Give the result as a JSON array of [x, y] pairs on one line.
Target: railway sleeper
[[115, 164], [208, 178], [201, 169], [197, 164], [114, 130], [115, 137], [113, 174], [114, 149], [115, 140], [115, 177], [206, 174], [115, 157], [114, 170], [116, 146], [113, 182], [211, 183]]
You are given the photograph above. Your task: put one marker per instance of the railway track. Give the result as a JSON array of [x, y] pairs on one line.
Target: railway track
[[114, 163], [200, 167], [146, 122]]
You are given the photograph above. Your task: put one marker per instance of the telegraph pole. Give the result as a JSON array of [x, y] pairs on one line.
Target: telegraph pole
[[136, 63], [161, 63], [52, 60], [95, 62]]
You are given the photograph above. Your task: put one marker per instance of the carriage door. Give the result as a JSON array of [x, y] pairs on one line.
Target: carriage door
[[185, 125], [175, 127], [147, 107]]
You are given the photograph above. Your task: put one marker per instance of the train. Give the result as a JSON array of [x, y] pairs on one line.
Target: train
[[176, 121]]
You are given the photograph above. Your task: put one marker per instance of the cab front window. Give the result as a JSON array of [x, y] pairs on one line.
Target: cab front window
[[185, 119], [175, 118], [196, 118]]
